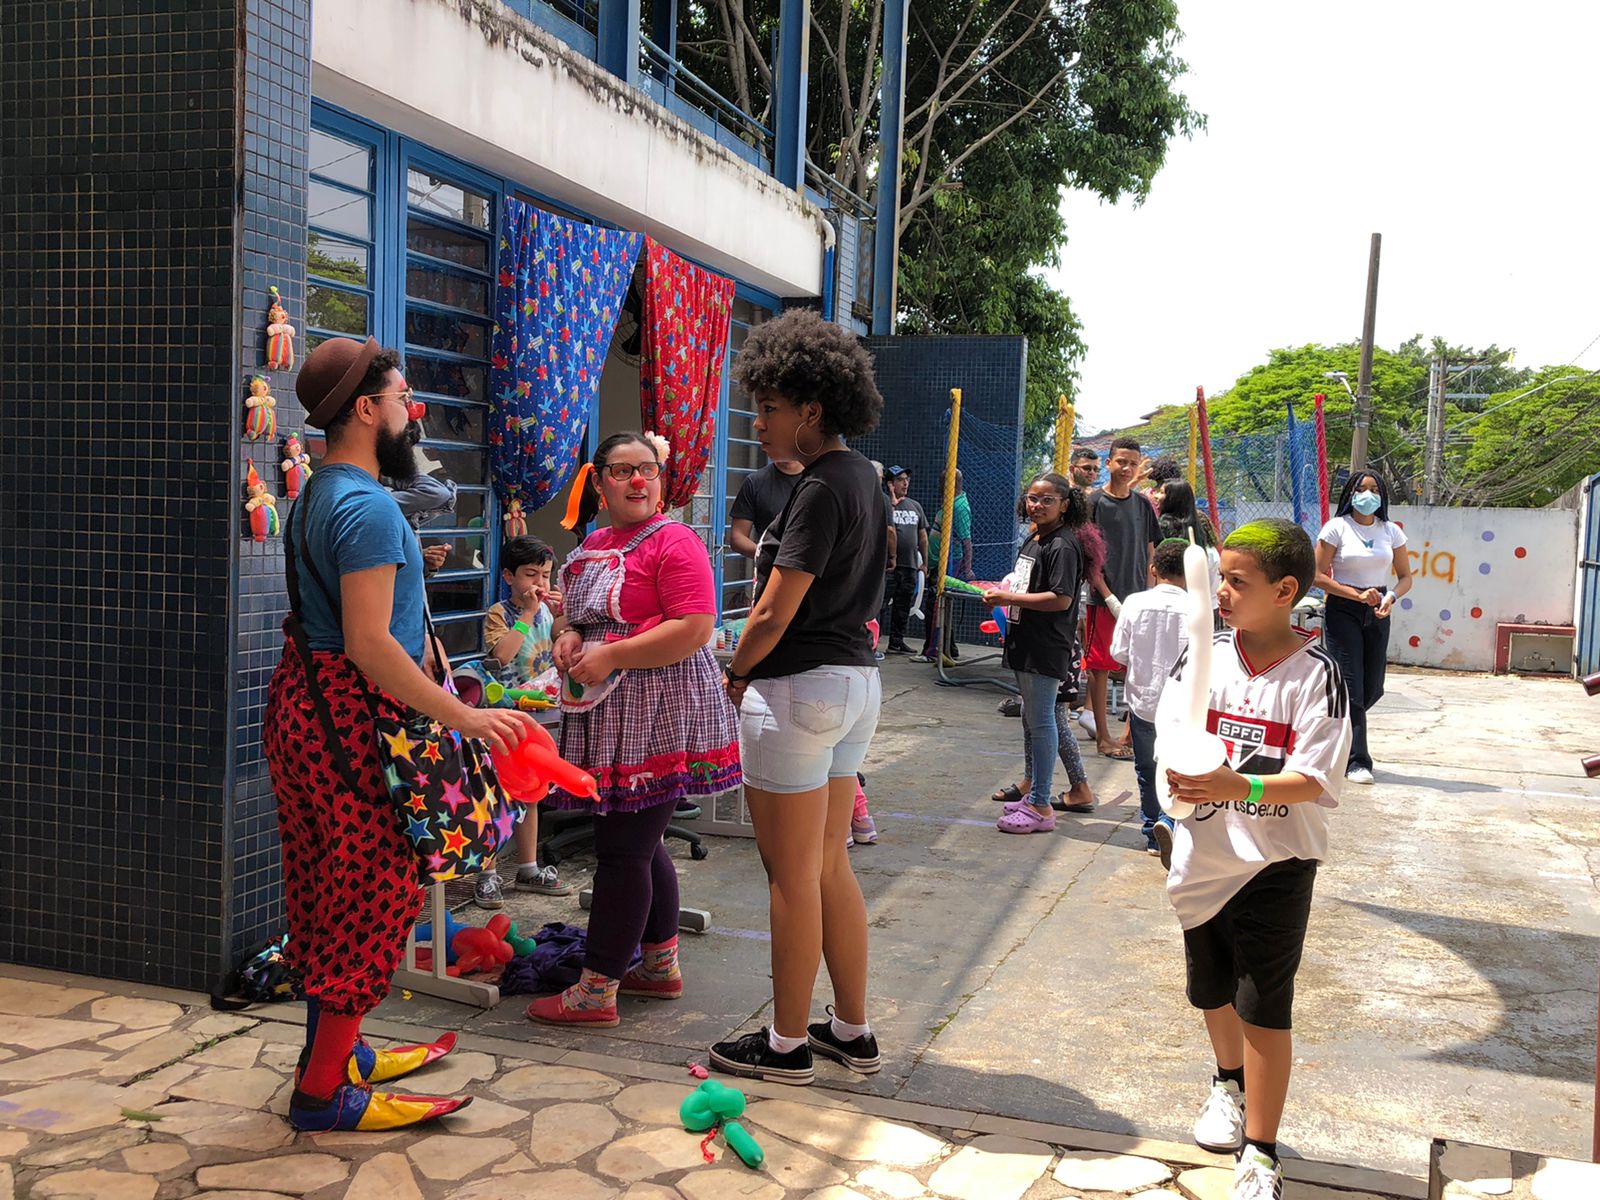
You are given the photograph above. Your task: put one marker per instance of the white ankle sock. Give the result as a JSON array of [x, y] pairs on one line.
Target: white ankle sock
[[849, 1033], [781, 1044]]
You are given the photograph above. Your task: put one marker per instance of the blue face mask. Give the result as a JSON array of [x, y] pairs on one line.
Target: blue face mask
[[1366, 503]]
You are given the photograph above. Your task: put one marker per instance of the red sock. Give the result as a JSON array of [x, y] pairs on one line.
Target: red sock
[[329, 1065]]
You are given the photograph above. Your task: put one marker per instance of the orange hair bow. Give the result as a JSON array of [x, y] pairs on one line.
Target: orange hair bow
[[575, 497]]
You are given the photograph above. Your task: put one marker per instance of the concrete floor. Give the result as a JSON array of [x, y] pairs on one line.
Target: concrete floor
[[1449, 985]]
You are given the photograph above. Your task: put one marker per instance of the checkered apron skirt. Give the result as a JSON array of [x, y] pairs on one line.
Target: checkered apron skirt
[[663, 733]]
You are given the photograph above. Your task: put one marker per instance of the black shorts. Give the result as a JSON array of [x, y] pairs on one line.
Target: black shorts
[[1247, 954]]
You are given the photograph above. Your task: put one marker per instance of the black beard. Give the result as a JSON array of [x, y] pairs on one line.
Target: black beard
[[397, 460]]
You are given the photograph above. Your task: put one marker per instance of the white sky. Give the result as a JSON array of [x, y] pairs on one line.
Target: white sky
[[1463, 132]]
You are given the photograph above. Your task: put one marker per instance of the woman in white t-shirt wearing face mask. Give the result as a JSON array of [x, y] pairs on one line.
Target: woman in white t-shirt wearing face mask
[[1357, 554]]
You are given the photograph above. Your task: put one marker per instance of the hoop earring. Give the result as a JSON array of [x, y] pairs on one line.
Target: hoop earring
[[804, 453]]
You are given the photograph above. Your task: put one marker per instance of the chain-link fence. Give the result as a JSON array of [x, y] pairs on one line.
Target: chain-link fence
[[1260, 475]]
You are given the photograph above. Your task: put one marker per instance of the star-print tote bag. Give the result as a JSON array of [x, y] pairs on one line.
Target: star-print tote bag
[[452, 808], [446, 792]]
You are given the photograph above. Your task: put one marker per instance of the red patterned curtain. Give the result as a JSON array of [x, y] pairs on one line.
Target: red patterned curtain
[[686, 314]]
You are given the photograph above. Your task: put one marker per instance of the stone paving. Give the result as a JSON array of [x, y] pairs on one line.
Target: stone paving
[[107, 1095]]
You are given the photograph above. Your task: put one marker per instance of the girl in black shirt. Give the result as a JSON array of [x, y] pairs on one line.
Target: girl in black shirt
[[1042, 596], [806, 682]]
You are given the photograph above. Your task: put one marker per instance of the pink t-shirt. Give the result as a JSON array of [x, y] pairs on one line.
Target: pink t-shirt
[[669, 575]]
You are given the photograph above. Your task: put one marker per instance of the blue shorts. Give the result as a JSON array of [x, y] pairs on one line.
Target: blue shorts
[[796, 732]]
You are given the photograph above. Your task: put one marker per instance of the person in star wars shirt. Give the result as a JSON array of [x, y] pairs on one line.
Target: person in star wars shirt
[[1243, 864]]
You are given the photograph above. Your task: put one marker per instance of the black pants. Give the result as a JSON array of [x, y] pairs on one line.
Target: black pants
[[635, 889], [1359, 643], [900, 585]]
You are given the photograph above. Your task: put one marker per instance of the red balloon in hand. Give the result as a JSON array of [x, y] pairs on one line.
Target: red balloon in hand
[[529, 770]]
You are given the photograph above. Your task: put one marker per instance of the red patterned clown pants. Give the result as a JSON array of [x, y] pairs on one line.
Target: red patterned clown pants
[[349, 876]]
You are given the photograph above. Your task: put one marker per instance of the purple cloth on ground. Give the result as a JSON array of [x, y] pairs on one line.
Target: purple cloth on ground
[[556, 962]]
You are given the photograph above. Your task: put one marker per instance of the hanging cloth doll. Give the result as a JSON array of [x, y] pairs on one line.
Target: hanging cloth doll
[[296, 466], [260, 410], [262, 506], [280, 336]]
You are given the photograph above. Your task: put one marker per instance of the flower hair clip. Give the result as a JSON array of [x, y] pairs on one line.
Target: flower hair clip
[[661, 446]]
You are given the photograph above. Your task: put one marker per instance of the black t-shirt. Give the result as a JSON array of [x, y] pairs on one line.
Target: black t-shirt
[[762, 497], [1041, 642], [833, 529], [1129, 527]]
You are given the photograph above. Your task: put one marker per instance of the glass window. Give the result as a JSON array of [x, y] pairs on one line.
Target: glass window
[[448, 287], [431, 194], [467, 552], [336, 310], [462, 639], [339, 211], [743, 456], [452, 245], [449, 263], [341, 161], [334, 258], [461, 380], [452, 422], [438, 331], [469, 512], [463, 466]]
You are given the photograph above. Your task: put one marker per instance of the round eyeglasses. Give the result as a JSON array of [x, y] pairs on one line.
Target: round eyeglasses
[[622, 472]]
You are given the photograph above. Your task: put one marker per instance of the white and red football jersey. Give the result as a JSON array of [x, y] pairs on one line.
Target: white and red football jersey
[[1290, 715]]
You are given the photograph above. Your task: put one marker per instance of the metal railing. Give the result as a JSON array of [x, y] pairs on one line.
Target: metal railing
[[837, 194], [678, 80]]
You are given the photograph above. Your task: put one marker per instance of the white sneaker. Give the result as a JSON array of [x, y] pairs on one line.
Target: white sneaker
[[1086, 721], [1257, 1177], [1359, 775], [1220, 1125]]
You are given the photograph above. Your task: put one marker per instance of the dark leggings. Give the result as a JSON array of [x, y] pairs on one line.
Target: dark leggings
[[635, 889], [1359, 642]]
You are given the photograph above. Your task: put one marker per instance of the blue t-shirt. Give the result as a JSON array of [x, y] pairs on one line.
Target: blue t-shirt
[[353, 526]]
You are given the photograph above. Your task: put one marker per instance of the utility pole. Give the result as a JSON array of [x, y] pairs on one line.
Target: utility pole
[[1433, 452], [1369, 319]]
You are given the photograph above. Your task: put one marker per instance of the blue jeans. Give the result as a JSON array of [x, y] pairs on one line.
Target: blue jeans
[[1144, 770], [1066, 742], [1038, 694]]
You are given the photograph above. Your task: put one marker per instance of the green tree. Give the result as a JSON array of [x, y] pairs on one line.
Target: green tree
[[1530, 444], [1008, 102]]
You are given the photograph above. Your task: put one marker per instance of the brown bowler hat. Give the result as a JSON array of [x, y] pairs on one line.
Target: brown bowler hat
[[330, 376]]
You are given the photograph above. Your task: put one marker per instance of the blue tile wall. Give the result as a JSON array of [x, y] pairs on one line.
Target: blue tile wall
[[915, 375], [136, 142], [276, 69]]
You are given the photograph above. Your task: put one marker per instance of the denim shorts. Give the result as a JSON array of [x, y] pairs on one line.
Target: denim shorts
[[796, 732]]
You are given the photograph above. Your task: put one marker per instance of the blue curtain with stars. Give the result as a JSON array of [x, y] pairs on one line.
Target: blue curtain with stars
[[559, 289]]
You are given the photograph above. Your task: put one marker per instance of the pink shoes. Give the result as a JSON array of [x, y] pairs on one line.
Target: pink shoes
[[1026, 819]]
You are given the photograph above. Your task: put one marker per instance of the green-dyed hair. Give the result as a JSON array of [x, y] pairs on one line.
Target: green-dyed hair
[[1281, 547]]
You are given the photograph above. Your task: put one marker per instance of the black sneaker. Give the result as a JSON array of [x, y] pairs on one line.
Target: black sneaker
[[753, 1057], [899, 648], [859, 1054]]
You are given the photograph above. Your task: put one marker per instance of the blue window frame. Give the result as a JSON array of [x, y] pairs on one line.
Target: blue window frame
[[402, 245], [738, 455], [341, 238], [450, 230]]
